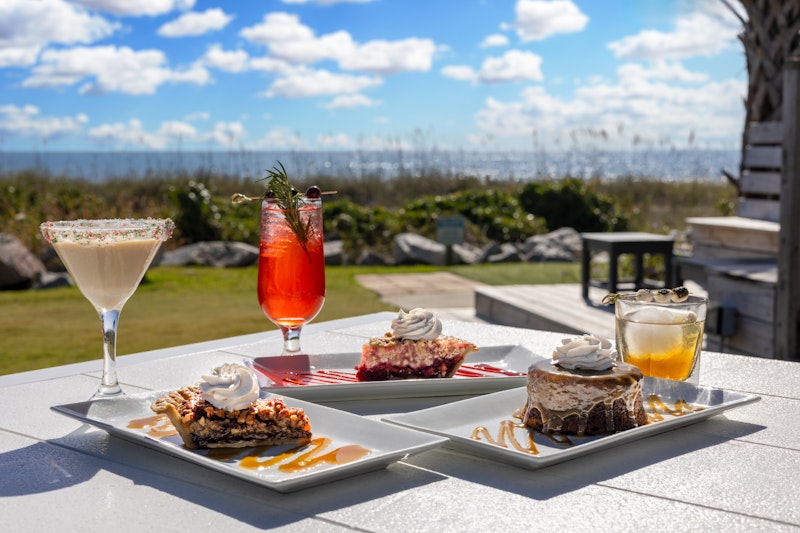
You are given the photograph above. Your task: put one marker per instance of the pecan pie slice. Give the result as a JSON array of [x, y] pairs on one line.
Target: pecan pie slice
[[267, 421]]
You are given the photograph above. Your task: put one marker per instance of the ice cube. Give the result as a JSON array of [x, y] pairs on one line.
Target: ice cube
[[654, 338], [660, 315]]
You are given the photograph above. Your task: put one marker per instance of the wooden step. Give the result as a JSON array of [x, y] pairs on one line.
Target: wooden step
[[733, 237], [557, 307]]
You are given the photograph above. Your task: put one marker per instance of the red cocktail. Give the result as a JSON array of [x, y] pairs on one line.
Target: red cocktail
[[291, 266]]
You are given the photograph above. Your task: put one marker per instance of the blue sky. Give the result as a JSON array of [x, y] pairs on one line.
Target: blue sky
[[369, 74]]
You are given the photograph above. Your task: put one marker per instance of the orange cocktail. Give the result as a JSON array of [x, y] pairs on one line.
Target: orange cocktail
[[664, 339], [291, 267]]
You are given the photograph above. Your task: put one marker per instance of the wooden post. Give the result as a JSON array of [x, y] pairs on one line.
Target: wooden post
[[787, 294]]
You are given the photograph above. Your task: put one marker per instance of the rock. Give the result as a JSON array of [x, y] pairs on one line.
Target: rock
[[411, 249], [563, 244], [220, 254], [19, 268], [370, 258], [52, 280], [467, 253], [334, 253], [508, 254], [493, 248]]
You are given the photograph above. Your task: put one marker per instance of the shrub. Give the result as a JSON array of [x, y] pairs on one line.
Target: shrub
[[572, 202], [491, 215]]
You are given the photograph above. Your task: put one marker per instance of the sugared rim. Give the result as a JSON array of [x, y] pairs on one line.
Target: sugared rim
[[100, 231]]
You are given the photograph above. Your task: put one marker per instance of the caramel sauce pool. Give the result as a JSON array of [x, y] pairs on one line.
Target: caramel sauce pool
[[157, 426], [296, 459], [506, 435]]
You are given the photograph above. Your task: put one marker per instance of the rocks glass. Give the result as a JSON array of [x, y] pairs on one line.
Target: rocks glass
[[664, 339]]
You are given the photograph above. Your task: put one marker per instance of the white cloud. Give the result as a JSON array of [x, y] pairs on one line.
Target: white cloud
[[27, 122], [539, 19], [645, 107], [177, 129], [27, 27], [460, 72], [287, 38], [110, 69], [195, 23], [389, 57], [705, 33], [136, 8], [129, 133], [132, 133], [512, 66], [279, 138], [227, 134], [335, 140], [662, 70], [351, 101], [326, 2], [494, 40], [230, 61], [304, 82]]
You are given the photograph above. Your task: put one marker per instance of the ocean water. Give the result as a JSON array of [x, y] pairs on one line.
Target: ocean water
[[690, 164]]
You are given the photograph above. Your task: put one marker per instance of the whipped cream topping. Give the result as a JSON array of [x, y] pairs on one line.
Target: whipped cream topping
[[589, 352], [230, 387], [417, 324]]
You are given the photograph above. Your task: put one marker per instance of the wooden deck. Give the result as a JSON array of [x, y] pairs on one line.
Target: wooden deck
[[558, 307]]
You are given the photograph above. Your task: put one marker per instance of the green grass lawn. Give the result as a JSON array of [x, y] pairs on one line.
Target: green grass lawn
[[182, 305]]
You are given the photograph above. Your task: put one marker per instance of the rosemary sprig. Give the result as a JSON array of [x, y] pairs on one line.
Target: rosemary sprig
[[289, 199]]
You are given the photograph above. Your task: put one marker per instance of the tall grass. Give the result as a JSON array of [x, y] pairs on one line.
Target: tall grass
[[28, 198]]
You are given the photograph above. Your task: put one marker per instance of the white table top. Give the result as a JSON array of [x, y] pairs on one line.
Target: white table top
[[734, 472]]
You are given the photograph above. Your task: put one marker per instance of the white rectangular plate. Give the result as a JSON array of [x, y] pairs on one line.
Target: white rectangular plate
[[458, 420], [332, 376], [386, 443]]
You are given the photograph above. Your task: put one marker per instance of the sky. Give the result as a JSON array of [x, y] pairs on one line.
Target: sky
[[103, 75]]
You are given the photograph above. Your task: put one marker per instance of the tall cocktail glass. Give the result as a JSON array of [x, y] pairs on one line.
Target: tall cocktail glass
[[107, 259], [291, 267], [663, 339]]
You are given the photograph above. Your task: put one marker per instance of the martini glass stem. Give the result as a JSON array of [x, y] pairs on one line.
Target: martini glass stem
[[291, 339], [109, 386]]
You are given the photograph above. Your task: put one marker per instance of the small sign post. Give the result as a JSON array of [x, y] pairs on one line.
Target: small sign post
[[450, 231]]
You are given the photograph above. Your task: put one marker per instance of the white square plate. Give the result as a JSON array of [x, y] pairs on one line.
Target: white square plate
[[331, 377], [386, 443], [458, 421]]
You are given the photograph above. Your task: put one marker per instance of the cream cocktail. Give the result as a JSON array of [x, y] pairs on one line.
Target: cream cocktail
[[107, 259], [107, 274]]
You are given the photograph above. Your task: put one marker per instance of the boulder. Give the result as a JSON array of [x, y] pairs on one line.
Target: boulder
[[220, 254], [334, 253], [52, 280], [371, 258], [467, 253], [563, 244], [19, 268], [508, 253], [410, 249], [490, 249]]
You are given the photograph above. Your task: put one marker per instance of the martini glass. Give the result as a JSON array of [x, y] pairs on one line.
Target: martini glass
[[291, 267], [107, 259]]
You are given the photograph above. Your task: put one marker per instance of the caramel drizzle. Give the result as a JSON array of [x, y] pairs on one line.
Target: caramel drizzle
[[157, 426], [296, 459], [682, 407], [506, 436]]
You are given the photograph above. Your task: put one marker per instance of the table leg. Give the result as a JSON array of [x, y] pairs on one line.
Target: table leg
[[612, 271], [668, 275], [638, 271], [585, 266]]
